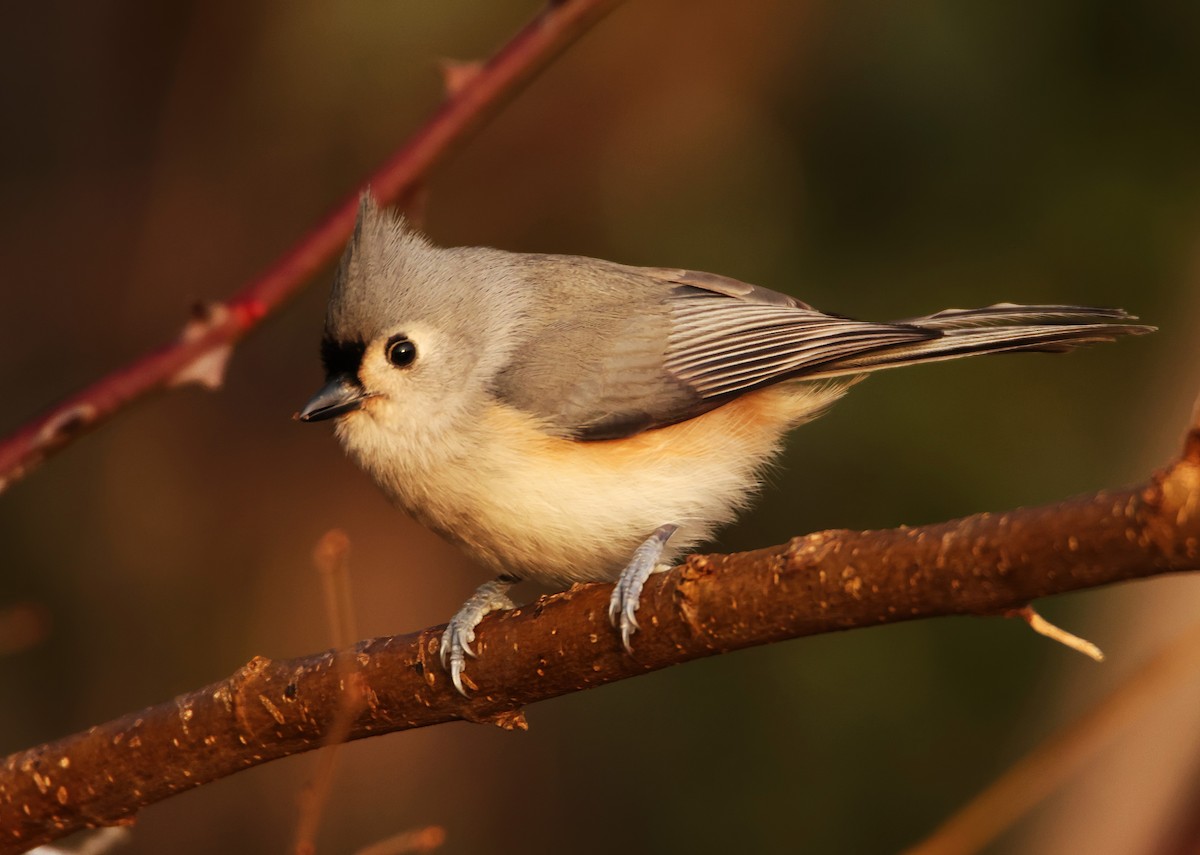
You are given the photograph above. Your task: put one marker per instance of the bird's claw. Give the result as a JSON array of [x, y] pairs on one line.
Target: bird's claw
[[627, 593], [456, 641]]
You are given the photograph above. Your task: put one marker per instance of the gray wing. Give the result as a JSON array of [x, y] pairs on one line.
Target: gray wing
[[721, 347], [589, 364], [619, 350], [640, 348]]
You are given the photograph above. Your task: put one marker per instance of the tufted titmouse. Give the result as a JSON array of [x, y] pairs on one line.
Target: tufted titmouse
[[566, 419]]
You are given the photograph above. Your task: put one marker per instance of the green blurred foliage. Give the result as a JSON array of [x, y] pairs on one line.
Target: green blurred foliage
[[878, 160]]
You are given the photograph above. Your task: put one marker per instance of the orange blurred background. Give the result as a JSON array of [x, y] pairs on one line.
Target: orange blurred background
[[878, 160]]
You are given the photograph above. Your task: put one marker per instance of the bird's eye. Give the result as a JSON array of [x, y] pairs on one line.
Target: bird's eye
[[400, 351]]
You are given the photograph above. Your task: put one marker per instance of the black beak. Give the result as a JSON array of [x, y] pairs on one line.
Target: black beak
[[342, 394]]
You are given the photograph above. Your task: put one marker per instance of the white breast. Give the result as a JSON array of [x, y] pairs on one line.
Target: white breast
[[560, 511]]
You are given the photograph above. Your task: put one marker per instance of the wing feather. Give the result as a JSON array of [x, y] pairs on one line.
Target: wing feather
[[719, 346], [620, 350]]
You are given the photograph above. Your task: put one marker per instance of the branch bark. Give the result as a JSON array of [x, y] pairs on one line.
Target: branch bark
[[987, 564], [203, 348]]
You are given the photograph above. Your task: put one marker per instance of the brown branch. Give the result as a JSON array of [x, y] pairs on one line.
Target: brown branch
[[986, 564], [200, 352]]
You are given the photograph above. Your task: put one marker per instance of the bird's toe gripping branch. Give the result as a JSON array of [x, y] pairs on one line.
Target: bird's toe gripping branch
[[626, 595]]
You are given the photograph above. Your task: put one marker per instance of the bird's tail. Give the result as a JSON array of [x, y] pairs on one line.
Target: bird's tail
[[1002, 328]]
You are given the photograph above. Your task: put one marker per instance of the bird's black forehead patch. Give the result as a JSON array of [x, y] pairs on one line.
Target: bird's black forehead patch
[[341, 357]]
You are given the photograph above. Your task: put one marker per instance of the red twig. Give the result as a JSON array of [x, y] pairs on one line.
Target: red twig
[[199, 354]]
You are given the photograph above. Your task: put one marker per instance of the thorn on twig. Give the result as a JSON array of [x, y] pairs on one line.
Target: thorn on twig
[[1043, 627], [208, 369], [67, 425], [456, 74]]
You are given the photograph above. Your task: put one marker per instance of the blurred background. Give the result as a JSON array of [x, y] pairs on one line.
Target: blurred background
[[877, 159]]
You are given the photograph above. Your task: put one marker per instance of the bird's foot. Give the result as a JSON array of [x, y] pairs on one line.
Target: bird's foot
[[460, 631], [623, 606]]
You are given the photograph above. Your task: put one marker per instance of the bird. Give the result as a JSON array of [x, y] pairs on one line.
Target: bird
[[566, 419]]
